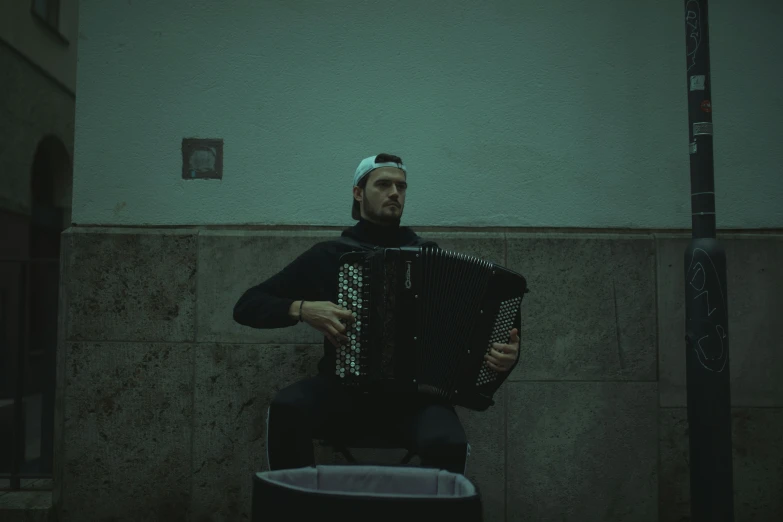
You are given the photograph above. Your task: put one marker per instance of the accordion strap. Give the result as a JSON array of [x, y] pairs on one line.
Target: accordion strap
[[353, 243]]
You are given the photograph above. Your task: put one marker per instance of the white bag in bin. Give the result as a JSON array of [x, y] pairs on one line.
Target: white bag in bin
[[364, 493]]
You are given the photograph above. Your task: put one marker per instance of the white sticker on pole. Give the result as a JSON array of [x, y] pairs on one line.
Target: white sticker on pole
[[698, 82], [694, 148], [703, 128]]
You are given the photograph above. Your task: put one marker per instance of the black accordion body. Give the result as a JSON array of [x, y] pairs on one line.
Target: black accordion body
[[424, 319]]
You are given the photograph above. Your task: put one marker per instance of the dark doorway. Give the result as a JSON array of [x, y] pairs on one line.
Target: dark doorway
[[29, 299], [51, 182]]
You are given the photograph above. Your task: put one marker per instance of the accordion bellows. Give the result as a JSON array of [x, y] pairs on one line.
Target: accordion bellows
[[424, 319]]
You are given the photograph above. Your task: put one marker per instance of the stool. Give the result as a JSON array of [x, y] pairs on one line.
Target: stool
[[374, 442], [366, 442]]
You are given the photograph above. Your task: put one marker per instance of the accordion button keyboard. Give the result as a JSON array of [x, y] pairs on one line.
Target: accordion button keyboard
[[350, 296]]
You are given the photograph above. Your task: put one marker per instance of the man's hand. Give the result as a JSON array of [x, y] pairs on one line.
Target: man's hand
[[327, 318], [503, 356]]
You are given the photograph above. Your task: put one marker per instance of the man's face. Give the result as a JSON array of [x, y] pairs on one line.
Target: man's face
[[383, 198]]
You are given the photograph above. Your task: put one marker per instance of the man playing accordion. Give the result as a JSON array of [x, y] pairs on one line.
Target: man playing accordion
[[307, 291]]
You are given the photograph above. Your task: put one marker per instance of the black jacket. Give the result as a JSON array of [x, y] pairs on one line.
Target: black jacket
[[313, 276]]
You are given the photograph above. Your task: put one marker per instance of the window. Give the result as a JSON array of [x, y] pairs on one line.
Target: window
[[48, 11]]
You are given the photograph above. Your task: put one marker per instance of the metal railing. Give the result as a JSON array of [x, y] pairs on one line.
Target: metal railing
[[28, 340]]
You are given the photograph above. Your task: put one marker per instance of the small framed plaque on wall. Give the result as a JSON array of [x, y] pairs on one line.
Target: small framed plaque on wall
[[202, 158]]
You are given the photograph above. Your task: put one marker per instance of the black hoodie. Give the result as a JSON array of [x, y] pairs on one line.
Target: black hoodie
[[313, 277]]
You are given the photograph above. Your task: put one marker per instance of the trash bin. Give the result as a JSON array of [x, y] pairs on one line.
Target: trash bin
[[364, 493]]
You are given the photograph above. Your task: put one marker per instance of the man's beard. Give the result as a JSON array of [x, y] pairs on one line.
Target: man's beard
[[381, 215]]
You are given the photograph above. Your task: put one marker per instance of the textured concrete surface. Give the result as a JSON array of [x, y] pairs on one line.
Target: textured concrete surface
[[32, 503], [27, 506], [590, 313], [162, 398], [757, 461], [486, 432], [234, 385], [130, 285], [129, 414], [582, 451], [230, 262]]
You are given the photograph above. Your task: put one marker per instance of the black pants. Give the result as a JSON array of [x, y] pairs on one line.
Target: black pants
[[321, 408]]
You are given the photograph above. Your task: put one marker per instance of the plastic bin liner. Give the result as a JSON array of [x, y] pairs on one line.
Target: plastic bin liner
[[364, 493]]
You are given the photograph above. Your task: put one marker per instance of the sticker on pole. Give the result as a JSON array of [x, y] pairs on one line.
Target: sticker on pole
[[703, 128], [698, 82], [694, 148], [706, 106]]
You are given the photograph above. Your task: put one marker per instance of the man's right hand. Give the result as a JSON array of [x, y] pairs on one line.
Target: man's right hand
[[328, 318]]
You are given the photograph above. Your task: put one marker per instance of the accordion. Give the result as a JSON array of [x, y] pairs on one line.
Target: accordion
[[424, 318]]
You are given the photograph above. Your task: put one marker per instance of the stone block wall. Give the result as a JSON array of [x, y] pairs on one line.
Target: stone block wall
[[162, 398]]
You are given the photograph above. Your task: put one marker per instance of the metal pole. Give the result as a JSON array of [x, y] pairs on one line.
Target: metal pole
[[706, 310]]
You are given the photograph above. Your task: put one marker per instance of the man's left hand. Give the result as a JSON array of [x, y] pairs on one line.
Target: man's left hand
[[503, 356]]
